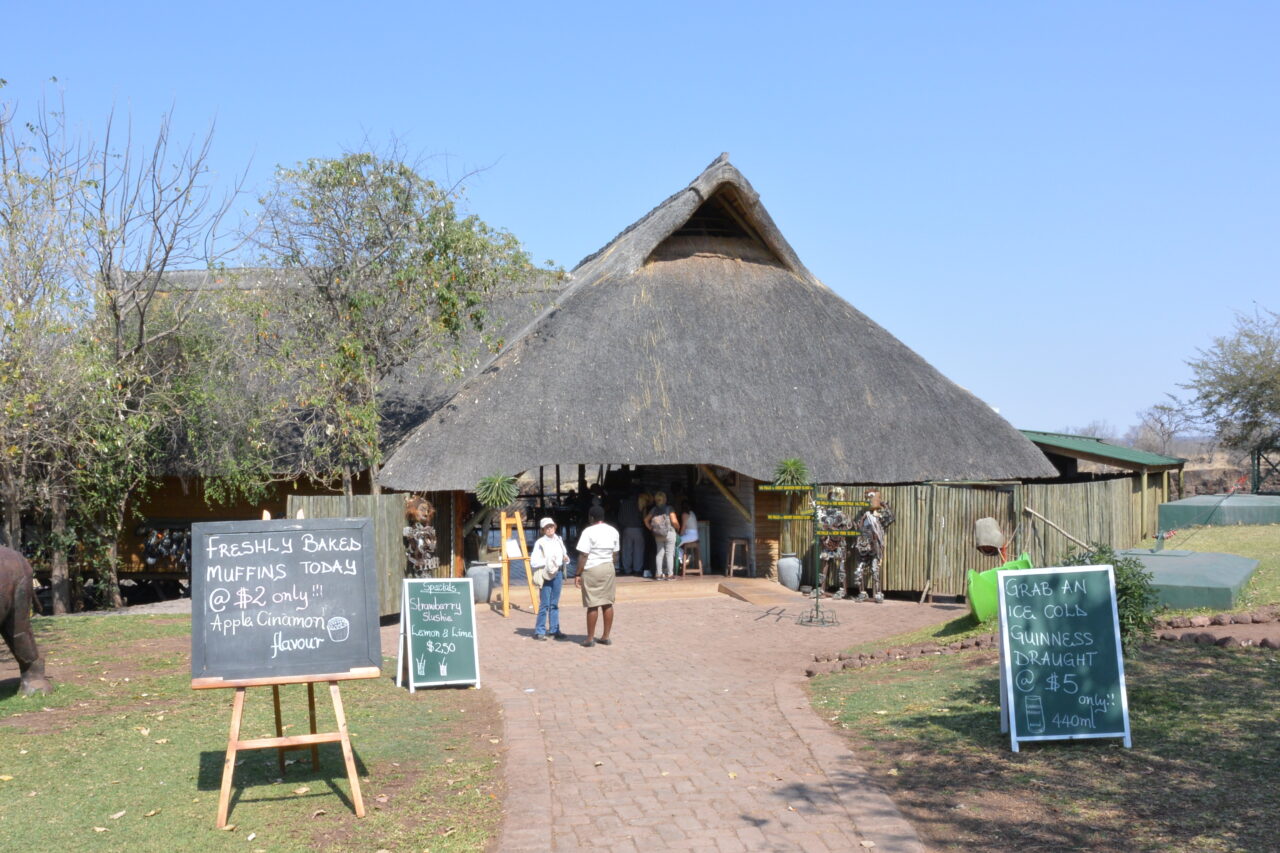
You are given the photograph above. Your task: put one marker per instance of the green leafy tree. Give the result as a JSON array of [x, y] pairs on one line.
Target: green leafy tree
[[43, 312], [1235, 383], [385, 271]]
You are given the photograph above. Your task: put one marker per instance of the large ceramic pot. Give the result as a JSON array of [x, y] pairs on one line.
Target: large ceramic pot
[[480, 575], [789, 571]]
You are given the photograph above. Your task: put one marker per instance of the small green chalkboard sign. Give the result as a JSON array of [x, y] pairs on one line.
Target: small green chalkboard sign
[[437, 633], [1061, 665]]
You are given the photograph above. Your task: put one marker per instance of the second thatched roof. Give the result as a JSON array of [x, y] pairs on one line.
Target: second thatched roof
[[697, 336]]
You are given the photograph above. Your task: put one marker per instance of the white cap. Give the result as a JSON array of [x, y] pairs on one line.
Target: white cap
[[542, 525]]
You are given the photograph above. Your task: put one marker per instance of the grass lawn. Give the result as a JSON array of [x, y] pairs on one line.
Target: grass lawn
[[126, 755], [1200, 775]]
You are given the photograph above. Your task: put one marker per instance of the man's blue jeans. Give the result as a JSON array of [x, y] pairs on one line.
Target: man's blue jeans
[[549, 606]]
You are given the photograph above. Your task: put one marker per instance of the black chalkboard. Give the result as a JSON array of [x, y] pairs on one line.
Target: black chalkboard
[[438, 633], [1061, 667], [273, 599]]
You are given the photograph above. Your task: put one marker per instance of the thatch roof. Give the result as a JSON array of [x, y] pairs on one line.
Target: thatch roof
[[697, 336]]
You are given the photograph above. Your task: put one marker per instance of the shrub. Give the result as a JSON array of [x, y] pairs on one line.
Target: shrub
[[1136, 600]]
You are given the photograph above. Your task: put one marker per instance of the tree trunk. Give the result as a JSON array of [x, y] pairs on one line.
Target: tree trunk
[[111, 572], [348, 489], [374, 488], [12, 519], [60, 577]]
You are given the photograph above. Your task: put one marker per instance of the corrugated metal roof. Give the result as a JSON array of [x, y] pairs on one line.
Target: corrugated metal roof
[[1099, 450]]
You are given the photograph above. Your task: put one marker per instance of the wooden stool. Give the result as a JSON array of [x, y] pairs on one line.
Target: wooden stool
[[685, 571], [739, 557]]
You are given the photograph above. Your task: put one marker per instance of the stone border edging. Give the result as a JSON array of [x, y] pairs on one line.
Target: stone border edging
[[829, 662]]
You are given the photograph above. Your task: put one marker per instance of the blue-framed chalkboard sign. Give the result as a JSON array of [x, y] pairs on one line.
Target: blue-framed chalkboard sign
[[283, 599], [437, 633], [1061, 664]]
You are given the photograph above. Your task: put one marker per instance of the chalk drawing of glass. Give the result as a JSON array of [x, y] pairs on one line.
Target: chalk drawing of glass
[[1035, 715], [444, 667]]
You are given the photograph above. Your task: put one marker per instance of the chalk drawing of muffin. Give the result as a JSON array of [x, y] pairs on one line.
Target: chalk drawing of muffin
[[339, 629]]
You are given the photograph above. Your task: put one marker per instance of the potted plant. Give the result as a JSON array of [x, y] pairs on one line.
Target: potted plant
[[790, 472]]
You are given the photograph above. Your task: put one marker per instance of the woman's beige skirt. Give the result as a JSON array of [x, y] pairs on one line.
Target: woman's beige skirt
[[597, 585]]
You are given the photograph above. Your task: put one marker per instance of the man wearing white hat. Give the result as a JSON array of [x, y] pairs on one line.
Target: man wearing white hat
[[548, 561]]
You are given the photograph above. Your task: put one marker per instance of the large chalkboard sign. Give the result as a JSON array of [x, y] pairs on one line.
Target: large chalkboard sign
[[274, 599], [1061, 667], [438, 633]]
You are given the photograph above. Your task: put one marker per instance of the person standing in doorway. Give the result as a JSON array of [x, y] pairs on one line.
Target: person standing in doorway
[[689, 544], [662, 522], [549, 560], [631, 523], [597, 559]]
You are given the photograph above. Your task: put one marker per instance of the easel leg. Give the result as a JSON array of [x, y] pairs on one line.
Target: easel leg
[[275, 697], [229, 765], [347, 755], [311, 704]]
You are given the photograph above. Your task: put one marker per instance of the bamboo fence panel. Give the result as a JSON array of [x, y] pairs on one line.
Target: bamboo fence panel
[[931, 543], [387, 515]]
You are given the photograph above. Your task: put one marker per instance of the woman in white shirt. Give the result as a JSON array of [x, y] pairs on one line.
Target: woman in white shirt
[[597, 554]]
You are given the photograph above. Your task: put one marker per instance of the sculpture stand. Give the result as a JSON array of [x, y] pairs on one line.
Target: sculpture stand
[[816, 616]]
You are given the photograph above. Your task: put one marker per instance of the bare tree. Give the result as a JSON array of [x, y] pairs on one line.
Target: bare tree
[[149, 212], [1160, 425]]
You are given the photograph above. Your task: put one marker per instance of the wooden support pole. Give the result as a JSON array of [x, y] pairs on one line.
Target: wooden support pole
[[724, 490], [1057, 528]]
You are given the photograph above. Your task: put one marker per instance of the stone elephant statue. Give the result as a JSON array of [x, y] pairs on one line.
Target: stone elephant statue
[[15, 621]]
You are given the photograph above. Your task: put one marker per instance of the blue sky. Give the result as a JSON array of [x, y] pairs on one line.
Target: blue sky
[[1055, 203]]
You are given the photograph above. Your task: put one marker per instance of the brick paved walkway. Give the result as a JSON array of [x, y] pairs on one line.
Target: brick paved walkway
[[691, 732]]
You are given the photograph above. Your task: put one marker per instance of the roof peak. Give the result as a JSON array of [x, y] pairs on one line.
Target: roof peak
[[629, 250]]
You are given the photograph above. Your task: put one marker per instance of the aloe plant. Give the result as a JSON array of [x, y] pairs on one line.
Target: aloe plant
[[497, 491], [790, 472]]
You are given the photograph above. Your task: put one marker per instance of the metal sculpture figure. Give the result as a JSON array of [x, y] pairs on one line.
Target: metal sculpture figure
[[869, 547], [834, 554], [15, 621]]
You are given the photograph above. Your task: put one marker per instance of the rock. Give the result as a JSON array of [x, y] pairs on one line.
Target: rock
[[966, 644], [1206, 638], [1241, 618], [1269, 643], [1190, 636], [1220, 619], [1228, 642], [1199, 622], [852, 663], [1170, 635], [1180, 622]]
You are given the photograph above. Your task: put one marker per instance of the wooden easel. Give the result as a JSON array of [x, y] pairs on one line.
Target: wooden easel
[[513, 522], [286, 743]]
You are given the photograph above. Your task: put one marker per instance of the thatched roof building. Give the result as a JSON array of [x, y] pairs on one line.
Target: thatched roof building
[[696, 336]]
